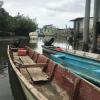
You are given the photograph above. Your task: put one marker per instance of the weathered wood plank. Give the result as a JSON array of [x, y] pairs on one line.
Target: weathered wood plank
[[26, 60], [16, 58], [34, 65], [37, 74]]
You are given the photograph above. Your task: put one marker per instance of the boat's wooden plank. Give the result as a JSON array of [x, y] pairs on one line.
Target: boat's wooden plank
[[15, 55], [16, 58], [33, 91], [52, 92], [22, 60], [25, 73], [37, 74], [26, 60], [76, 88], [34, 65], [47, 89]]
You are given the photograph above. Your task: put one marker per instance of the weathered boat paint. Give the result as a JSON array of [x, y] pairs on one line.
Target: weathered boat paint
[[85, 67], [29, 90], [85, 70], [69, 85]]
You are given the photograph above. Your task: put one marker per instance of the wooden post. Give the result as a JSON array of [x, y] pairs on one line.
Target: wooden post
[[86, 26], [95, 20], [74, 34]]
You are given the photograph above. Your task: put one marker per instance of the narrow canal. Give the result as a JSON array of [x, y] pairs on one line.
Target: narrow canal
[[8, 89]]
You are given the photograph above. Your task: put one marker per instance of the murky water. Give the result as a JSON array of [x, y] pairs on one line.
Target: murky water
[[9, 87], [5, 90]]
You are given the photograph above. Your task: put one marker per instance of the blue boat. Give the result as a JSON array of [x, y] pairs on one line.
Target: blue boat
[[86, 67]]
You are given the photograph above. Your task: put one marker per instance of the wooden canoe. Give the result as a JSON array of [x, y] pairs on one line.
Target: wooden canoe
[[43, 79]]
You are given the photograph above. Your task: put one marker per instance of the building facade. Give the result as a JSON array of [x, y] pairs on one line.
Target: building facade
[[64, 32], [49, 30], [79, 25]]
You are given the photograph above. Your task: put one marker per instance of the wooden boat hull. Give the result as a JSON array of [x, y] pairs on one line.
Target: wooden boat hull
[[15, 85], [90, 72], [30, 92], [27, 93], [64, 84]]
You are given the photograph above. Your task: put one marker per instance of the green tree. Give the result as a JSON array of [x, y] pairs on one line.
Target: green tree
[[20, 25], [24, 25], [3, 19]]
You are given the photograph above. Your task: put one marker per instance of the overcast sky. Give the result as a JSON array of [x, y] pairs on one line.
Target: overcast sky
[[56, 12]]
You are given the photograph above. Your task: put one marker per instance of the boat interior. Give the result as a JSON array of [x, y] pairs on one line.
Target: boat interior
[[50, 78]]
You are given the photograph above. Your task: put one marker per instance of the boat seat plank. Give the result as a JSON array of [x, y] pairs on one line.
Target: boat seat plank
[[26, 60], [37, 74], [22, 60], [34, 65]]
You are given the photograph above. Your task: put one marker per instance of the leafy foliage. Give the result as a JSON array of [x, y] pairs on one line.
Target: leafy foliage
[[3, 20], [18, 25], [24, 25]]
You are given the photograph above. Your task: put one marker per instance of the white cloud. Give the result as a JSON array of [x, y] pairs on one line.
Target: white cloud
[[66, 6], [56, 12]]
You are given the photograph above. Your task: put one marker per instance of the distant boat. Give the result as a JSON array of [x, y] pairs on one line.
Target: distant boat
[[33, 37], [43, 79]]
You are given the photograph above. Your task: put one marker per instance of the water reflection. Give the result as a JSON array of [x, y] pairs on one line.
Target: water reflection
[[59, 41], [5, 91]]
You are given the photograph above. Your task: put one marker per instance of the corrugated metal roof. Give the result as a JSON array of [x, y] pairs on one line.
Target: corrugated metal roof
[[79, 18]]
